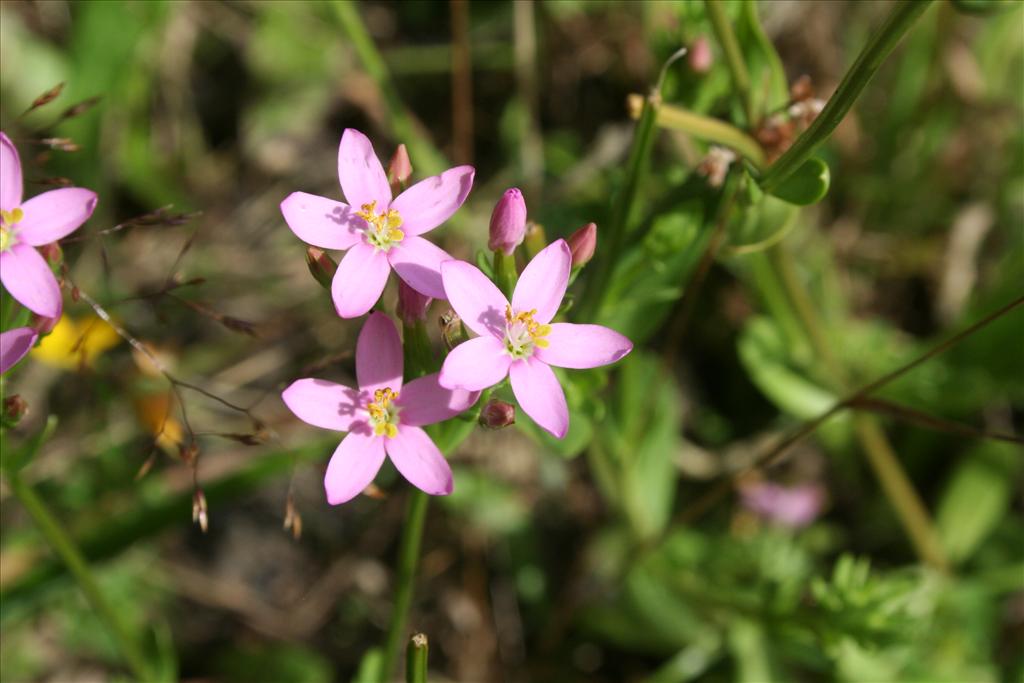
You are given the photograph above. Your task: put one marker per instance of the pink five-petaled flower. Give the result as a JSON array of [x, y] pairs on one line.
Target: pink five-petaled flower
[[519, 339], [43, 219], [379, 232], [382, 416], [14, 344]]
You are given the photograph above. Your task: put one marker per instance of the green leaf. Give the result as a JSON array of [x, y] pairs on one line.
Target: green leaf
[[807, 185], [976, 499]]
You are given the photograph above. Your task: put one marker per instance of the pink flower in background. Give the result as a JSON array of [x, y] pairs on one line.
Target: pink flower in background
[[793, 507], [382, 416], [379, 232], [519, 339], [14, 344], [43, 219]]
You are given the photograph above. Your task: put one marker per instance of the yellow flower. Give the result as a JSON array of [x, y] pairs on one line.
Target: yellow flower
[[74, 345]]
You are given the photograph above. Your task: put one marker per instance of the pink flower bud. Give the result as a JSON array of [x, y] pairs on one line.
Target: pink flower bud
[[412, 306], [700, 57], [508, 222], [14, 408], [582, 244], [497, 414], [321, 266], [399, 169], [52, 253]]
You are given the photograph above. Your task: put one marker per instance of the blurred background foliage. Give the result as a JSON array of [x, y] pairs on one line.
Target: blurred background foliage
[[573, 560]]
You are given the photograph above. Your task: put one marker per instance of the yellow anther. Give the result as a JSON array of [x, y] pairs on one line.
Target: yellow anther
[[383, 415], [383, 227], [12, 217]]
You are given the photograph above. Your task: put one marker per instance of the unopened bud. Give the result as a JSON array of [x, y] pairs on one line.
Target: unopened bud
[[321, 266], [452, 331], [716, 164], [699, 57], [497, 414], [508, 222], [14, 408], [582, 244], [199, 510], [52, 253], [399, 169], [535, 240], [412, 306]]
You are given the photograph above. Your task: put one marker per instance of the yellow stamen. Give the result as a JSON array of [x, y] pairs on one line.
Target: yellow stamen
[[383, 227], [383, 414]]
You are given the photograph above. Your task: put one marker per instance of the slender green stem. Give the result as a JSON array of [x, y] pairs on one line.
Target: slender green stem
[[79, 568], [416, 659], [909, 507], [707, 128], [408, 558], [870, 59], [733, 55], [505, 275], [620, 222], [404, 128]]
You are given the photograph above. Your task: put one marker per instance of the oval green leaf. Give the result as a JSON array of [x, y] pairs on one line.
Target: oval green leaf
[[807, 185]]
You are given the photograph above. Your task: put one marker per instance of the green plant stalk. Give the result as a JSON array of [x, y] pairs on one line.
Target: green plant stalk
[[712, 130], [419, 357], [910, 509], [61, 543], [505, 275], [733, 56], [416, 659], [408, 558], [870, 59], [403, 127], [614, 239]]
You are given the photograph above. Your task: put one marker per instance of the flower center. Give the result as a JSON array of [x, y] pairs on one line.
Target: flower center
[[9, 219], [523, 333], [384, 413], [382, 228]]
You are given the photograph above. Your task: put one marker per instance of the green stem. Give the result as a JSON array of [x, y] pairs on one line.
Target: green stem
[[403, 127], [505, 275], [870, 59], [614, 239], [416, 659], [712, 130], [910, 509], [79, 568], [733, 55], [408, 558]]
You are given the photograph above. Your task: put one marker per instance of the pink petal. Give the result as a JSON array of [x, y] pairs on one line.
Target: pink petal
[[479, 303], [355, 463], [582, 346], [424, 401], [379, 355], [359, 280], [55, 214], [432, 201], [540, 395], [322, 222], [14, 344], [359, 170], [418, 262], [543, 282], [420, 461], [476, 364], [10, 175], [324, 404], [29, 279]]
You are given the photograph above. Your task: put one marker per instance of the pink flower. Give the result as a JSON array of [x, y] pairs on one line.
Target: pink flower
[[14, 344], [519, 339], [793, 507], [43, 219], [379, 232], [381, 417]]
